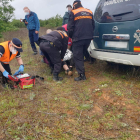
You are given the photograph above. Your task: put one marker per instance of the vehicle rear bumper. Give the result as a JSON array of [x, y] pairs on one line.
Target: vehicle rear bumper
[[127, 58]]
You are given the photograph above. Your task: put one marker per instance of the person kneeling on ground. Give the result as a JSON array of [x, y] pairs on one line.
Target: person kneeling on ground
[[8, 51], [50, 45], [68, 61]]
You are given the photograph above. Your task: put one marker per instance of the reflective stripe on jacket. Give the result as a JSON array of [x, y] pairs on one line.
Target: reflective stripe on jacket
[[59, 39], [81, 24]]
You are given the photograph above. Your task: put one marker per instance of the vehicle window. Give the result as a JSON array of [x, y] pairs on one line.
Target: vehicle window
[[117, 10]]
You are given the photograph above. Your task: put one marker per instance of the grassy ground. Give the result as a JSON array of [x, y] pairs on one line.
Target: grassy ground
[[105, 107]]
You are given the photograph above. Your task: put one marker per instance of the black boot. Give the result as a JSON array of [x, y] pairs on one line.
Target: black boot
[[5, 83], [81, 77], [35, 51], [7, 86], [56, 78]]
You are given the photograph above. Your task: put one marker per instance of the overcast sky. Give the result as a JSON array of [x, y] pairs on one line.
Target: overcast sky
[[48, 8]]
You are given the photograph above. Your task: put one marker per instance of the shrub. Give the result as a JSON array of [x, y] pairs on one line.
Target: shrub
[[6, 26], [6, 13], [49, 23], [18, 24], [54, 21]]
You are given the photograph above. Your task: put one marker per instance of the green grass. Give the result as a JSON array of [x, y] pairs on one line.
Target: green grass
[[106, 106]]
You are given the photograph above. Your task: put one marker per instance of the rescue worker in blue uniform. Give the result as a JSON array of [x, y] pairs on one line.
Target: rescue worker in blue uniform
[[80, 28]]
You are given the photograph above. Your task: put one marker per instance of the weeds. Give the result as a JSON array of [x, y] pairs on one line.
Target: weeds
[[70, 110]]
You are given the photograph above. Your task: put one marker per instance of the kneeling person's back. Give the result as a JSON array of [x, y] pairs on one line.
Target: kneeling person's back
[[51, 44], [59, 39]]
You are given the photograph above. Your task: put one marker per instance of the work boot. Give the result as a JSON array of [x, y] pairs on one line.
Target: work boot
[[35, 51], [56, 78], [81, 77], [7, 86]]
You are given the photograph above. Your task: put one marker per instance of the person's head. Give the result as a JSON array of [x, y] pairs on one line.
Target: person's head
[[48, 31], [15, 46], [60, 29], [77, 4], [69, 8], [26, 10]]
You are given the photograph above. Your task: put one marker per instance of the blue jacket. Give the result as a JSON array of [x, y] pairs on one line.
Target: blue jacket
[[33, 21]]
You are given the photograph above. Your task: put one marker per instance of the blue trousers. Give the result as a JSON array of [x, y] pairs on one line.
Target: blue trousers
[[33, 39]]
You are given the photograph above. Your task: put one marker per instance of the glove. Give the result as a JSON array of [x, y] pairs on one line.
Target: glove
[[5, 74], [21, 69]]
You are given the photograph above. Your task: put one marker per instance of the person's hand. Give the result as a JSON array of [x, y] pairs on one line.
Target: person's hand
[[5, 74], [26, 22], [62, 60], [36, 32], [21, 20], [20, 70]]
